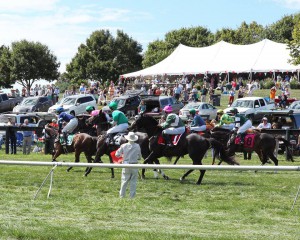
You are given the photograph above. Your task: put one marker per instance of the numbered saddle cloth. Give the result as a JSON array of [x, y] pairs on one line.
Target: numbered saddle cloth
[[248, 140]]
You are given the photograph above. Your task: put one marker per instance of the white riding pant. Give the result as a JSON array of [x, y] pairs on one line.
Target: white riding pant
[[198, 128], [174, 131], [70, 127], [229, 126], [118, 128], [245, 127]]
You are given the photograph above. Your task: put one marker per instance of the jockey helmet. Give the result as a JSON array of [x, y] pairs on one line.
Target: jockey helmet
[[168, 109], [89, 108], [113, 105], [60, 110], [233, 111], [220, 111], [192, 111]]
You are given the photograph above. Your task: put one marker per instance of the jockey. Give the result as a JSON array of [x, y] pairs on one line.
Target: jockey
[[198, 124], [119, 119], [89, 109], [242, 124], [226, 121], [172, 126], [72, 122]]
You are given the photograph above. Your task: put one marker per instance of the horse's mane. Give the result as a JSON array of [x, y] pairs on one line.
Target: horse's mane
[[151, 119]]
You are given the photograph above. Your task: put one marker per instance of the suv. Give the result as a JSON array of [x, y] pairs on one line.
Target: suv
[[34, 104], [38, 119], [285, 119], [75, 104], [155, 104], [127, 103]]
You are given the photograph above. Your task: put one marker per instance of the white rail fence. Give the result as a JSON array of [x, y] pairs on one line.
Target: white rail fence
[[149, 166]]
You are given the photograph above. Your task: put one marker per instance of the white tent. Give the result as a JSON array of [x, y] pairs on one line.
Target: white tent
[[222, 57]]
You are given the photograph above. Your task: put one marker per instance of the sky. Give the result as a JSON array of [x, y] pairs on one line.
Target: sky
[[63, 25]]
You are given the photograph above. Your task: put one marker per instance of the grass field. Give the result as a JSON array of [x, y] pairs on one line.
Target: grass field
[[228, 204]]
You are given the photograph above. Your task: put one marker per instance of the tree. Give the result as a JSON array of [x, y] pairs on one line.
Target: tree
[[32, 61], [294, 44], [160, 49], [104, 57], [249, 33], [281, 30], [5, 67]]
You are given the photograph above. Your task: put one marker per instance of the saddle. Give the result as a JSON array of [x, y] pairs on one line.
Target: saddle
[[115, 140], [70, 139]]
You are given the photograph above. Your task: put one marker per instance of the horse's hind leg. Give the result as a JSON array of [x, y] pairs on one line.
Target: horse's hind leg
[[112, 170], [89, 160], [77, 159], [185, 175]]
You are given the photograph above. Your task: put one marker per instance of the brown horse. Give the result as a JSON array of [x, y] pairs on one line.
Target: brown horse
[[82, 142], [264, 144], [100, 121]]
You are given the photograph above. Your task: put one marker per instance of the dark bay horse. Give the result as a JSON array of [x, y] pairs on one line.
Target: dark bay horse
[[264, 144], [100, 121], [194, 145], [81, 142]]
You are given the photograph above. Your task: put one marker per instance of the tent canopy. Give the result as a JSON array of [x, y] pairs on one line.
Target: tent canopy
[[222, 57]]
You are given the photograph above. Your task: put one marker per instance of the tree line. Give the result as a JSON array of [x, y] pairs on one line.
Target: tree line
[[104, 57]]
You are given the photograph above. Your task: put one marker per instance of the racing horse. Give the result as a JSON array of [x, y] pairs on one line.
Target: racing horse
[[193, 144], [100, 121], [81, 142], [263, 144]]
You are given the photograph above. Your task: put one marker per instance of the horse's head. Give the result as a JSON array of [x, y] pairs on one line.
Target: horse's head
[[143, 122], [97, 119]]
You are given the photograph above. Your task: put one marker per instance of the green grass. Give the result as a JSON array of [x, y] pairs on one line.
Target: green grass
[[228, 205]]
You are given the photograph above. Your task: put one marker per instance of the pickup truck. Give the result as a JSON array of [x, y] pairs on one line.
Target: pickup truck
[[8, 103], [250, 107]]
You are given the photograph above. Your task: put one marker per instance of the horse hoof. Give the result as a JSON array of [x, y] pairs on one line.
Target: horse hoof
[[181, 179], [112, 176], [53, 160], [198, 183], [166, 177], [143, 177]]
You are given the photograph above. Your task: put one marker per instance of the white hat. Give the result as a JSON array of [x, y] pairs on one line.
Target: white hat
[[131, 137]]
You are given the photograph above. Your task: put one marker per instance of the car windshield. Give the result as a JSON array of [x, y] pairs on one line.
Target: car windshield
[[120, 102], [29, 101], [4, 118], [67, 101], [244, 103], [295, 105], [190, 106]]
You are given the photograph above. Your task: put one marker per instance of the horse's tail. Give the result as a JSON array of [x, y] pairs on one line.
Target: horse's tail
[[287, 144], [219, 147]]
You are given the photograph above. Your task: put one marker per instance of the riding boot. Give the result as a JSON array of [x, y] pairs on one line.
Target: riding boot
[[242, 136], [65, 137], [167, 139], [110, 138]]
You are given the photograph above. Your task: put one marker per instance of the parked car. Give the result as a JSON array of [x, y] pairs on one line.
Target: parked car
[[295, 105], [8, 103], [127, 103], [284, 119], [155, 104], [39, 119], [34, 104], [75, 104], [206, 110]]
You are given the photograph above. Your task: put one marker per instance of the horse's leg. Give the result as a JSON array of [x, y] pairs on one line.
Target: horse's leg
[[89, 160], [176, 160], [57, 152], [77, 158], [112, 170], [185, 175], [149, 160]]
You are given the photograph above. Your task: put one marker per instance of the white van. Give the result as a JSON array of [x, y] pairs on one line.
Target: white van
[[75, 104]]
